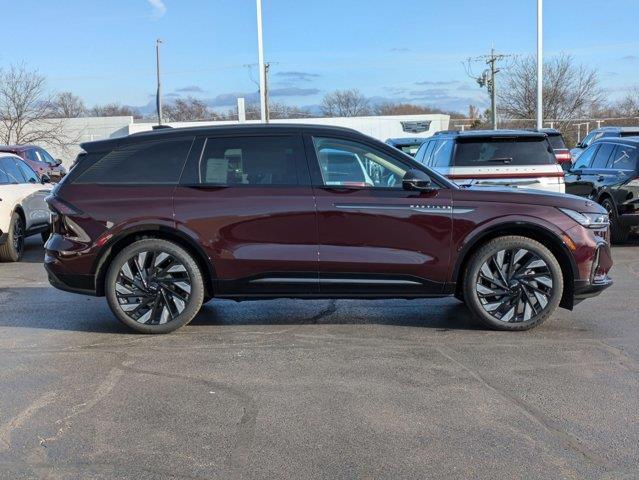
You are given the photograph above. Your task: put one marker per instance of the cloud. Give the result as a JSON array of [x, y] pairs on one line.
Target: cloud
[[293, 92], [190, 88], [433, 93], [400, 49], [438, 82], [298, 76], [158, 7], [630, 58]]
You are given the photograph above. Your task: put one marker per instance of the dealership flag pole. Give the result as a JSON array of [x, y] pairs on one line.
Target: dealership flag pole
[[540, 64], [260, 54]]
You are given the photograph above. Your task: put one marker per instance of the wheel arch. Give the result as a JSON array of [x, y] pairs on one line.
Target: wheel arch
[[525, 229], [127, 237]]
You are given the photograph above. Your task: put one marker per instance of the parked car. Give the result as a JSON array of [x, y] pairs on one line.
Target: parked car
[[517, 158], [406, 145], [38, 159], [163, 221], [23, 210], [603, 132], [608, 173], [556, 140]]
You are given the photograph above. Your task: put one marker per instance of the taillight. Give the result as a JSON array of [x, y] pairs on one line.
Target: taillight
[[563, 156]]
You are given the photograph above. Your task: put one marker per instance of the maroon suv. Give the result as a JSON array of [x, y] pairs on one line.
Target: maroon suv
[[161, 222], [38, 159]]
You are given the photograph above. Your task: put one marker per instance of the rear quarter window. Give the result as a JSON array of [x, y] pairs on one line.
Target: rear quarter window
[[150, 162], [495, 152], [556, 142]]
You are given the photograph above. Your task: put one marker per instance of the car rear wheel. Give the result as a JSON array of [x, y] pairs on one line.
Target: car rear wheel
[[154, 286], [513, 283], [11, 250], [618, 234]]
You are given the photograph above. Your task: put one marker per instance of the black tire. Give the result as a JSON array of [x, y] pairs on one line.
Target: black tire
[[163, 295], [618, 234], [11, 250], [526, 292]]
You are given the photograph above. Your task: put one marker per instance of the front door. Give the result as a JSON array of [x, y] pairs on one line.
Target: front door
[[248, 201], [374, 237], [580, 179]]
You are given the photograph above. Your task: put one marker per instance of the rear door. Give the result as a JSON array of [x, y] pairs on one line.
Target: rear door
[[519, 161], [248, 201], [374, 237]]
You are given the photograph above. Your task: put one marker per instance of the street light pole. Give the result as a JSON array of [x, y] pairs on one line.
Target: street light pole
[[260, 54], [158, 98], [540, 64]]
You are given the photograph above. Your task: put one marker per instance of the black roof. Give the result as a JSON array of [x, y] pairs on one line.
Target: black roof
[[490, 133], [623, 140], [258, 128]]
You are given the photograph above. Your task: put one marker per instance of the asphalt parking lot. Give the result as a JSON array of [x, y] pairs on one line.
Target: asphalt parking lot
[[293, 389]]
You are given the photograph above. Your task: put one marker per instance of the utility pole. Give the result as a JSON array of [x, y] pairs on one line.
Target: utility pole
[[488, 78], [158, 100], [267, 116], [261, 66]]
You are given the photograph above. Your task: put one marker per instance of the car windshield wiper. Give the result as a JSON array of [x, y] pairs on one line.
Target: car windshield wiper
[[501, 159]]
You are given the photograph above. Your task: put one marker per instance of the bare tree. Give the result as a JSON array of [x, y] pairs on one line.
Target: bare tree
[[570, 90], [390, 108], [281, 110], [345, 103], [113, 110], [67, 105], [26, 114], [188, 110]]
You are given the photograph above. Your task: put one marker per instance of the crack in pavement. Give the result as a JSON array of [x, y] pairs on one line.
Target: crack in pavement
[[569, 440]]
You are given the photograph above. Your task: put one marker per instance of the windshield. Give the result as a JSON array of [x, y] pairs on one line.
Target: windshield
[[507, 151]]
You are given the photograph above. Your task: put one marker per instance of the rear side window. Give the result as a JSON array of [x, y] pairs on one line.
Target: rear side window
[[492, 152], [152, 162], [556, 142], [602, 156], [251, 160], [624, 158], [442, 153], [424, 152]]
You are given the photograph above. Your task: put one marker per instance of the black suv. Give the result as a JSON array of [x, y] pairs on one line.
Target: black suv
[[607, 172], [603, 132]]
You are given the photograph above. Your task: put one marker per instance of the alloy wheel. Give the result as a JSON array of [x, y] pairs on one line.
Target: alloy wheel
[[514, 285], [18, 236], [153, 287]]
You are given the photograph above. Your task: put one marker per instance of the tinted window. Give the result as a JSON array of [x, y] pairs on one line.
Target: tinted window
[[556, 141], [601, 157], [442, 153], [425, 152], [503, 151], [623, 158], [11, 169], [44, 155], [251, 160], [347, 163], [27, 172], [630, 134], [586, 157], [30, 154], [153, 162]]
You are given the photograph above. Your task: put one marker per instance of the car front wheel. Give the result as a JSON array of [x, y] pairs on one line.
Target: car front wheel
[[618, 233], [154, 286], [11, 250], [513, 283]]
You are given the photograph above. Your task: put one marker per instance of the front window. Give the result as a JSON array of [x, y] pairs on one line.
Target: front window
[[27, 172], [347, 163], [585, 158]]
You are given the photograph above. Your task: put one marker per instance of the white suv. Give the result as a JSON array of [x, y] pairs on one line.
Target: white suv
[[514, 158], [23, 211]]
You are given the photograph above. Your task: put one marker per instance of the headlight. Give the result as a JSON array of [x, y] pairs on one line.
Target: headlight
[[588, 220]]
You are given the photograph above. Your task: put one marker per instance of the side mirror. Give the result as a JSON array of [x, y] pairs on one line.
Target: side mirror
[[44, 179], [57, 162], [416, 180]]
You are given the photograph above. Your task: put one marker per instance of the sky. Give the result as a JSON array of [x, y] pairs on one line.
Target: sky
[[404, 50]]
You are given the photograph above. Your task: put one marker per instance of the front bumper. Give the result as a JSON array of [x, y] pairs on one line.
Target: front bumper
[[587, 289]]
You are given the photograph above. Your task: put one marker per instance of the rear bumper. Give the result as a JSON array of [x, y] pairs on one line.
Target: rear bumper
[[69, 282]]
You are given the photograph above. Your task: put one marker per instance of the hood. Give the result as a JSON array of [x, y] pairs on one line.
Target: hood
[[529, 197]]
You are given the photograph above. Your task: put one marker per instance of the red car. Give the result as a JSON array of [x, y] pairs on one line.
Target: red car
[[38, 159], [161, 222]]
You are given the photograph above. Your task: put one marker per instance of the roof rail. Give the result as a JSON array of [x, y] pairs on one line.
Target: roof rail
[[160, 127], [446, 131]]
